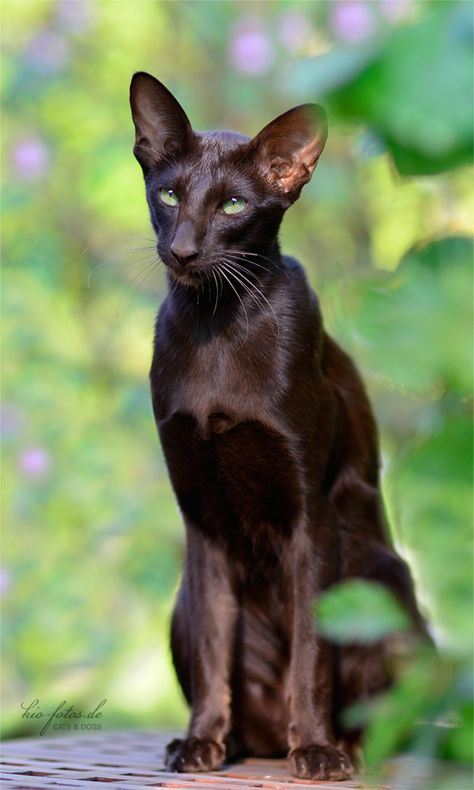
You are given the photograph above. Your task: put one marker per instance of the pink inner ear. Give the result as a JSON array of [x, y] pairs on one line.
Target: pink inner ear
[[280, 167], [296, 176], [296, 171], [310, 153], [293, 167]]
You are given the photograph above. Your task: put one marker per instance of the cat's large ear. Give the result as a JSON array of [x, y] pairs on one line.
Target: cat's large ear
[[161, 125], [287, 149]]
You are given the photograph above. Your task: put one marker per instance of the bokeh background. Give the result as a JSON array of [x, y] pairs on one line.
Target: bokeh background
[[92, 538]]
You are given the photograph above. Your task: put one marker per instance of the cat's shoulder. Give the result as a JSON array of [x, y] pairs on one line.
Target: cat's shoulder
[[300, 291], [296, 271], [293, 265]]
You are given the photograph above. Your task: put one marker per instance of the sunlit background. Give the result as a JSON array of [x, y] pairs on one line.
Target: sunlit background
[[93, 540]]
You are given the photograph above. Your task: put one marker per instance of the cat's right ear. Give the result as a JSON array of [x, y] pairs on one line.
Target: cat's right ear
[[287, 150], [162, 128]]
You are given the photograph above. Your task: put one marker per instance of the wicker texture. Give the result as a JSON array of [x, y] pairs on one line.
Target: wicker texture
[[134, 759]]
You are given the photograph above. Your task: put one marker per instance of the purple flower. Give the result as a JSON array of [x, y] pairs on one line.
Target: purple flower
[[5, 580], [250, 49], [35, 462], [30, 158], [294, 29], [352, 21], [47, 52], [396, 10], [74, 16]]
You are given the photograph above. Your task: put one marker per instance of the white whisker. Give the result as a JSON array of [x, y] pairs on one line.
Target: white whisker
[[143, 274], [236, 270], [217, 293], [245, 253], [241, 302], [251, 263], [121, 265]]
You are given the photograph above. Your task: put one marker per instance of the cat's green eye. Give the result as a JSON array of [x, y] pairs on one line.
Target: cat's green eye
[[169, 197], [234, 205]]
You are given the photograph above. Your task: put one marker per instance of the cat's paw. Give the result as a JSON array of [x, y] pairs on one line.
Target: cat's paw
[[193, 754], [320, 762]]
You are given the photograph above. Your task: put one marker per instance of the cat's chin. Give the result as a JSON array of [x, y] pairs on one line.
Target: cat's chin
[[186, 279]]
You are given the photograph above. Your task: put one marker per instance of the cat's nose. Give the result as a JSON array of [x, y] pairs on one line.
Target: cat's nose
[[184, 254], [184, 245]]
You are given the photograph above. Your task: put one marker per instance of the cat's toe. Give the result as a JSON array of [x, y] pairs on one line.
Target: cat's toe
[[320, 762], [188, 755]]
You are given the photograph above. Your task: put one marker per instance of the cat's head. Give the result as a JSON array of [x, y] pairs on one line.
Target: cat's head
[[218, 194]]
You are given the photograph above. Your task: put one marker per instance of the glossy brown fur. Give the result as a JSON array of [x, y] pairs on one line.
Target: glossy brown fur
[[271, 447]]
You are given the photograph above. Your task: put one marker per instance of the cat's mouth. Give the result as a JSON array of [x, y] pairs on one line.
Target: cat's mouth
[[189, 277]]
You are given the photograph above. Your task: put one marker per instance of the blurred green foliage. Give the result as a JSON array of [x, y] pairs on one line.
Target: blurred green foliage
[[93, 541], [413, 89], [359, 612]]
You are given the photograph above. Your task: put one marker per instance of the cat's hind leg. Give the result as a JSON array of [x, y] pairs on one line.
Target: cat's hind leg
[[366, 670]]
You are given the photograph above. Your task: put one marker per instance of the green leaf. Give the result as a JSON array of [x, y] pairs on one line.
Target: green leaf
[[415, 93], [359, 611], [459, 740], [405, 716], [412, 320]]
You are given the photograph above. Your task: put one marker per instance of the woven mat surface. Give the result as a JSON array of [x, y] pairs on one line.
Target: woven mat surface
[[134, 759]]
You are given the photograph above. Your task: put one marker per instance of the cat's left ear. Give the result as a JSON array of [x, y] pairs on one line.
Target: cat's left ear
[[162, 128], [288, 149]]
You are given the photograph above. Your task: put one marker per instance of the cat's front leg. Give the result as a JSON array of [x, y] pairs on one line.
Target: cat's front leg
[[313, 754], [210, 620]]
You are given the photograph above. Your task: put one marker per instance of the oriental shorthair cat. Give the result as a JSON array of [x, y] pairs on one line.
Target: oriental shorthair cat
[[271, 447]]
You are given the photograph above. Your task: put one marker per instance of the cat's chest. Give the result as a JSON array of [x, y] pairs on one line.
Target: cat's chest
[[214, 384]]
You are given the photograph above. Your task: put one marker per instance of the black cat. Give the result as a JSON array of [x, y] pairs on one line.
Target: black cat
[[271, 447]]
